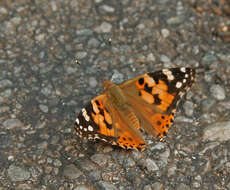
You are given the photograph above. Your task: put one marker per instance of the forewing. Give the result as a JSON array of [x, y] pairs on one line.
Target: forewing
[[154, 97]]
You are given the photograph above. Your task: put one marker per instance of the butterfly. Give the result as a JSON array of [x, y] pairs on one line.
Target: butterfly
[[145, 103]]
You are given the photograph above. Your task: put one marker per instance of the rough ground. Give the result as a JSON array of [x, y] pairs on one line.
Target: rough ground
[[42, 88]]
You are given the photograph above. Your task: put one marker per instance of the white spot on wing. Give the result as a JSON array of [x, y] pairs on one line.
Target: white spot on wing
[[170, 77], [77, 121], [85, 115], [165, 71], [184, 80], [182, 69], [168, 73], [178, 84], [90, 128]]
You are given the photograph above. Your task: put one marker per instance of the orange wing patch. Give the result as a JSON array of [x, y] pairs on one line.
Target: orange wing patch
[[154, 93], [161, 123], [127, 139]]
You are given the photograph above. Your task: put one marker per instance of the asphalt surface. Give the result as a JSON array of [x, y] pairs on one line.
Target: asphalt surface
[[53, 57]]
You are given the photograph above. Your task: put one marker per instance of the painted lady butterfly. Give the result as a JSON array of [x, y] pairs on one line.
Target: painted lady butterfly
[[146, 102]]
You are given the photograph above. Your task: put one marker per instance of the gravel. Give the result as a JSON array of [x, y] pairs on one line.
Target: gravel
[[43, 87]]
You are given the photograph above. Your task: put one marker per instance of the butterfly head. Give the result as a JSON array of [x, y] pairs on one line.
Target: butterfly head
[[107, 84]]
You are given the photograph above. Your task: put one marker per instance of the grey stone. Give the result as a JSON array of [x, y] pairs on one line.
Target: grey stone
[[47, 90], [129, 162], [40, 37], [93, 43], [92, 82], [107, 8], [175, 20], [1, 99], [71, 172], [105, 27], [17, 173], [5, 83], [165, 32], [188, 108], [164, 157], [217, 132], [98, 1], [151, 165], [4, 109], [207, 104], [117, 77], [165, 59], [158, 146], [3, 11], [157, 186], [16, 20], [208, 146], [82, 187], [107, 186], [148, 187], [42, 145], [85, 32], [44, 108], [209, 58], [81, 54], [172, 170], [12, 123], [57, 163], [6, 93], [100, 159], [182, 187], [217, 92], [151, 57]]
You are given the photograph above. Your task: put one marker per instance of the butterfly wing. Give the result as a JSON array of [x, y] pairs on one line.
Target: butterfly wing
[[154, 97], [99, 120]]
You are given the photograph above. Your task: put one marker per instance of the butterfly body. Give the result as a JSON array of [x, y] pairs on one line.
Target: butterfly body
[[146, 102]]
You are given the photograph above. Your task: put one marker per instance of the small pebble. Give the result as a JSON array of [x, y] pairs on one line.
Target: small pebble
[[175, 20], [165, 32], [71, 171], [217, 92], [151, 165], [165, 59], [17, 173], [12, 124], [82, 187], [5, 83], [84, 32], [182, 187], [117, 77], [151, 57], [81, 54], [107, 186], [3, 11], [93, 43], [107, 8], [100, 159], [157, 186], [188, 108], [44, 108], [105, 27], [92, 82], [217, 132]]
